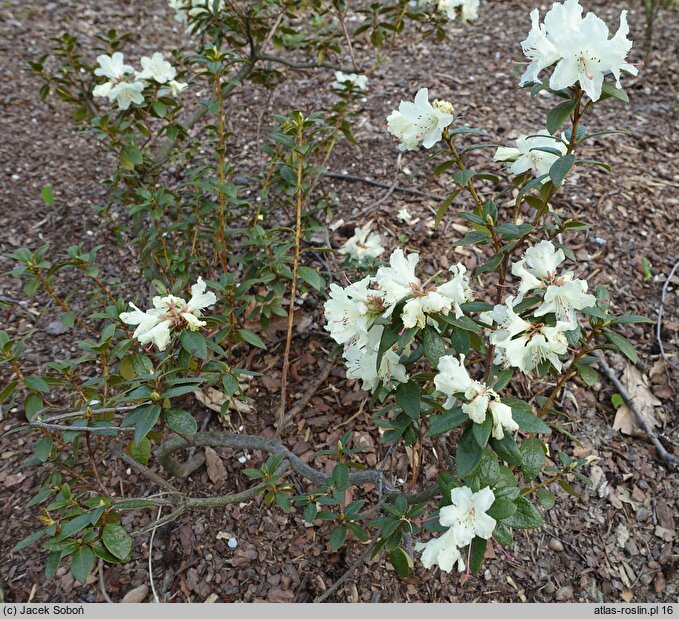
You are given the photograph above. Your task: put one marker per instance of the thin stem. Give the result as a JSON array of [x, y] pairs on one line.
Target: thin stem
[[221, 153], [469, 185], [293, 288], [569, 373], [62, 304]]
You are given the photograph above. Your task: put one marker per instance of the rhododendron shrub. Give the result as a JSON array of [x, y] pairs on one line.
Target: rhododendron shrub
[[439, 357]]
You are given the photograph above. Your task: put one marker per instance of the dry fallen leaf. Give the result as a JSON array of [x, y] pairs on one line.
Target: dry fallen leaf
[[621, 535], [643, 398], [215, 467], [215, 399]]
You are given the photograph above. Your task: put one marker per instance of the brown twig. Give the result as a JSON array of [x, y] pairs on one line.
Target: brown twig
[[299, 406], [145, 471], [102, 583], [362, 179], [280, 413], [340, 581], [658, 326], [666, 457]]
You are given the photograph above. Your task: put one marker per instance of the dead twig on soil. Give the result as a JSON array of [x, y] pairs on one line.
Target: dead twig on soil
[[340, 581], [658, 325], [145, 471], [300, 405], [102, 583], [153, 535], [369, 181], [666, 457]]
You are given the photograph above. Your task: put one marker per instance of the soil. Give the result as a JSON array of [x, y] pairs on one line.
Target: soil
[[616, 542]]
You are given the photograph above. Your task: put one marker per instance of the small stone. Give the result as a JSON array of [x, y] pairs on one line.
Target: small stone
[[555, 545], [136, 595], [549, 588], [56, 327]]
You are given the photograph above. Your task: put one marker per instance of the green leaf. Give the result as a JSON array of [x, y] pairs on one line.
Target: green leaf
[[82, 563], [501, 509], [623, 345], [181, 421], [444, 206], [8, 390], [159, 108], [43, 448], [440, 424], [507, 449], [587, 373], [481, 431], [472, 238], [532, 458], [491, 264], [462, 177], [117, 541], [408, 398], [337, 537], [52, 564], [141, 451], [568, 488], [609, 90], [35, 383], [27, 541], [503, 534], [357, 532], [617, 400], [340, 475], [560, 168], [522, 414], [311, 277], [460, 340], [401, 562], [629, 319], [433, 345], [468, 454], [545, 498], [558, 115], [47, 195], [77, 524], [478, 550], [142, 418], [310, 512], [525, 516], [251, 338], [194, 343]]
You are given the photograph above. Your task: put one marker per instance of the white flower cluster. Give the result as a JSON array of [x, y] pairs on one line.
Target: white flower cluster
[[469, 9], [351, 312], [453, 379], [466, 519], [420, 122], [169, 312], [356, 81], [523, 344], [126, 91], [527, 156], [581, 47], [363, 244], [186, 9]]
